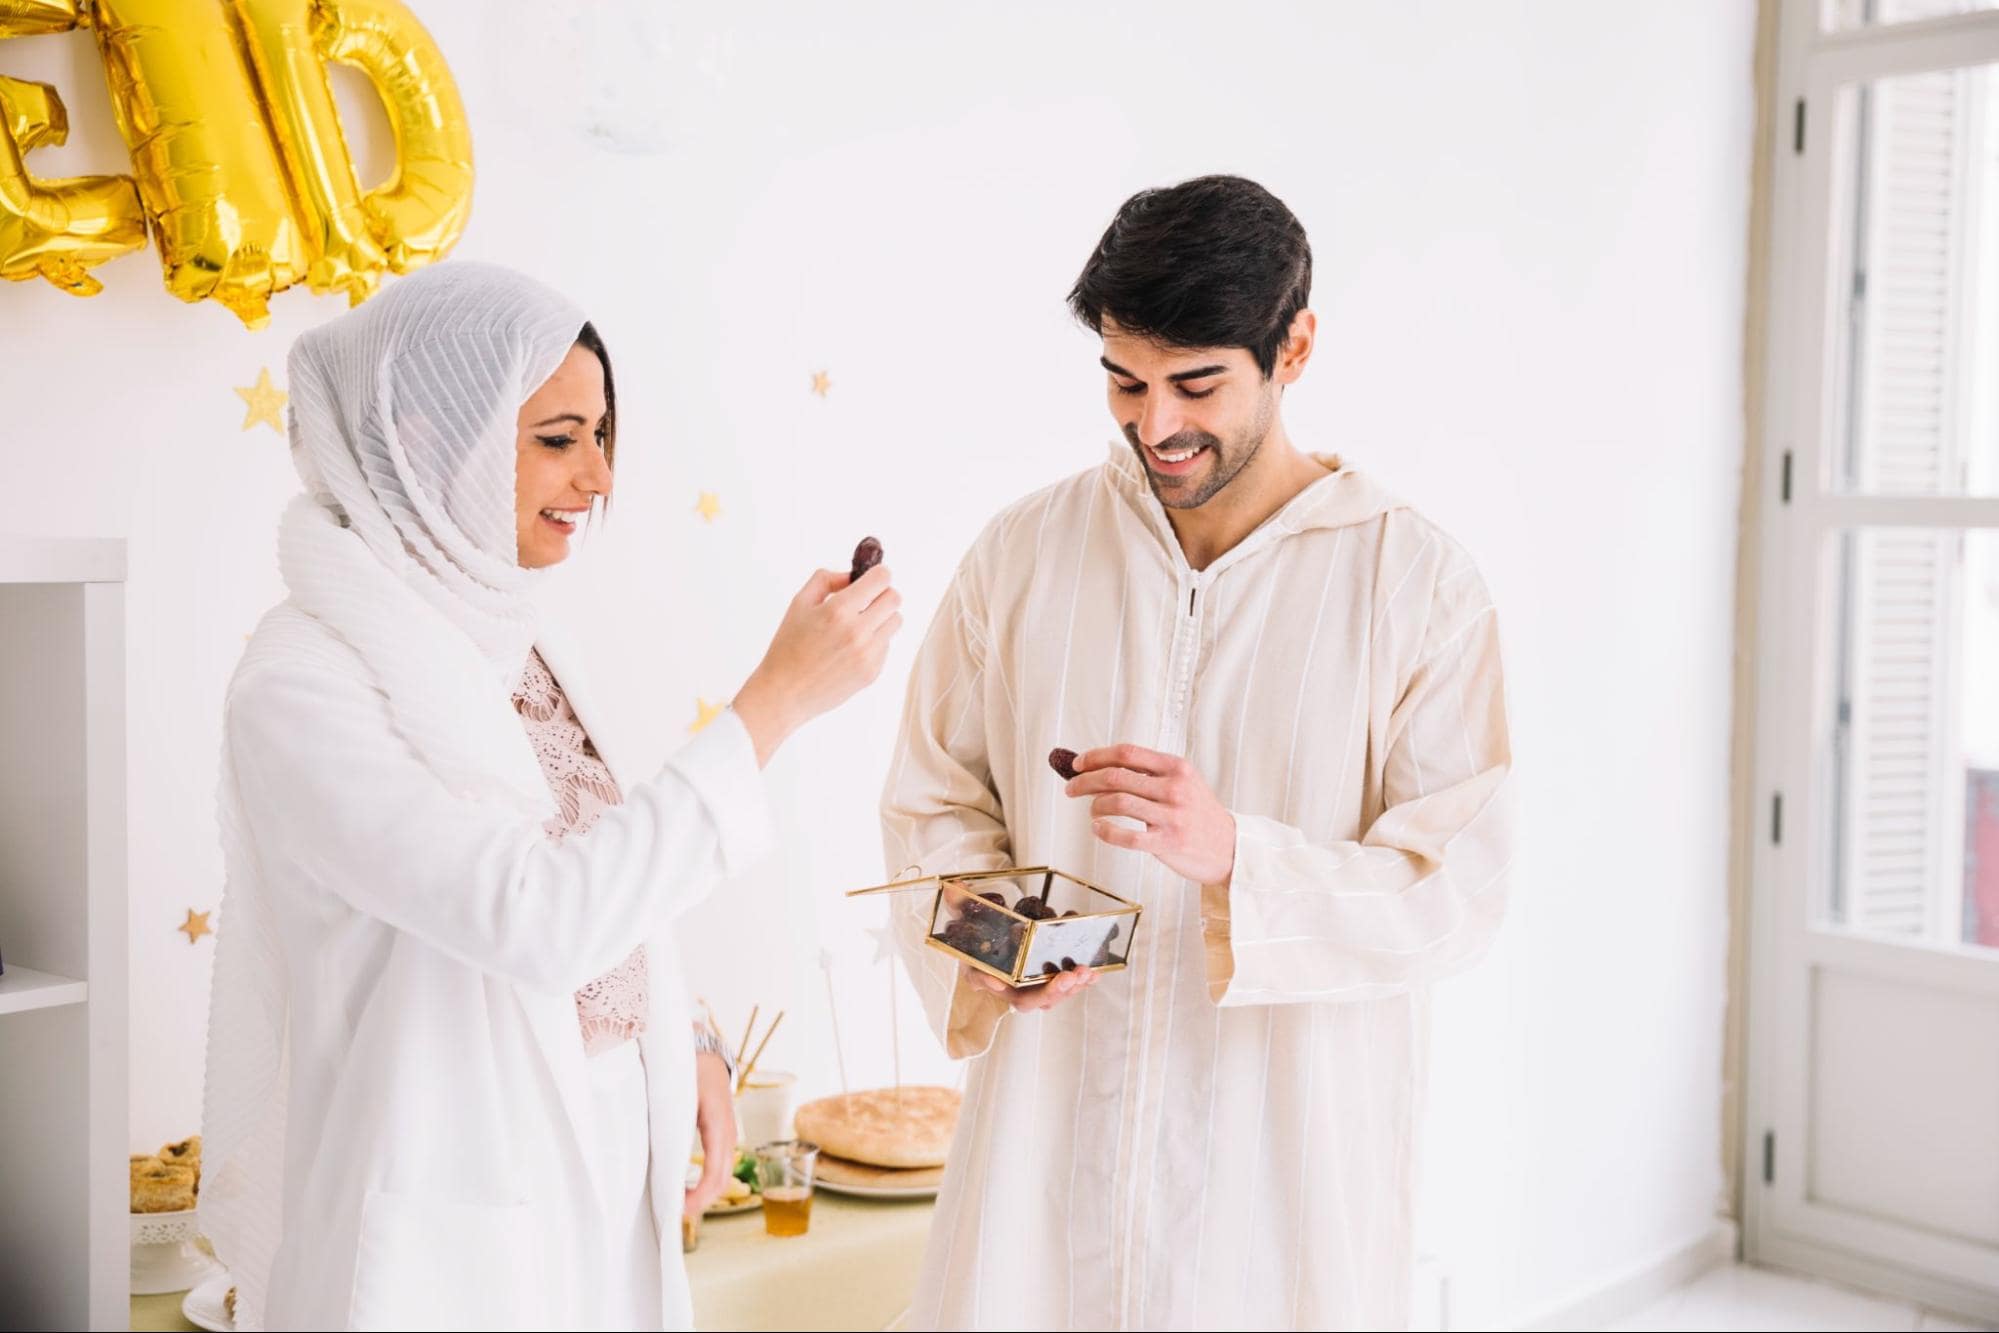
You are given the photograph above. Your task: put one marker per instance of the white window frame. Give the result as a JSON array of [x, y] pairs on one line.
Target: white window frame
[[1794, 511]]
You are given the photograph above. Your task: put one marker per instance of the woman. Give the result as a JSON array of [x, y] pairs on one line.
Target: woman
[[450, 1077]]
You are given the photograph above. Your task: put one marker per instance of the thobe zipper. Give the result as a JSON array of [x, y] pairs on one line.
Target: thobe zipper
[[1185, 653]]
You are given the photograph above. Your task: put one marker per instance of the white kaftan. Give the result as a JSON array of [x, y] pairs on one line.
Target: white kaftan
[[402, 1127], [1220, 1136]]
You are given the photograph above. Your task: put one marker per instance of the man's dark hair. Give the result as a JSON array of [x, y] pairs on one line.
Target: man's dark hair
[[1217, 261]]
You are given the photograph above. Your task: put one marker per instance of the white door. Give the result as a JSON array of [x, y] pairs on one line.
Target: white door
[[1873, 1106]]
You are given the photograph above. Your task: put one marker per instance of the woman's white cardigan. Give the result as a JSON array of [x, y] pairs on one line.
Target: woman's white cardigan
[[435, 1102]]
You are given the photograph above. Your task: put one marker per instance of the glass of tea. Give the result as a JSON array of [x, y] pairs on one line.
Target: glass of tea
[[784, 1173]]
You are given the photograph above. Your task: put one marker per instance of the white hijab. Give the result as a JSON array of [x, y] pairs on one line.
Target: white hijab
[[403, 545]]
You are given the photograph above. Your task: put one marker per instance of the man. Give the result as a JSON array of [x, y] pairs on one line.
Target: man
[[1286, 686]]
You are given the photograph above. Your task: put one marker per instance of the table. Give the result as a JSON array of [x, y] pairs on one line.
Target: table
[[855, 1269]]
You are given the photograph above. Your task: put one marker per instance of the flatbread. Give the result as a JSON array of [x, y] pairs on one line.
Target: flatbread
[[900, 1128], [840, 1171]]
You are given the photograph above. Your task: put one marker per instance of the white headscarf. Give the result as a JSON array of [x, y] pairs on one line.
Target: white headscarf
[[403, 420], [403, 429]]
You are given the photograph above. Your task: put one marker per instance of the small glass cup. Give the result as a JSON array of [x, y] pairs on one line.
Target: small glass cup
[[784, 1173]]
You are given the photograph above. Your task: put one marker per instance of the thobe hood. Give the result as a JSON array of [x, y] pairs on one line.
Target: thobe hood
[[1341, 499]]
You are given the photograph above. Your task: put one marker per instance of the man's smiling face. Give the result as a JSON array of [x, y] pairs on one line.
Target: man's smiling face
[[1194, 415]]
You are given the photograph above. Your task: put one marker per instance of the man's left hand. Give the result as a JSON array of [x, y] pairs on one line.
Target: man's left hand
[[1186, 827]]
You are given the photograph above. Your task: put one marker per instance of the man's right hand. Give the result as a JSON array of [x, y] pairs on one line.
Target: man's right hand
[[1025, 999]]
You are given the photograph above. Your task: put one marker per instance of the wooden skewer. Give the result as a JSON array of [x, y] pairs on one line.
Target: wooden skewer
[[743, 1078], [748, 1028]]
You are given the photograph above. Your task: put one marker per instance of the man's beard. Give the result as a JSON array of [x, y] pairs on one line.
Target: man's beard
[[1224, 461]]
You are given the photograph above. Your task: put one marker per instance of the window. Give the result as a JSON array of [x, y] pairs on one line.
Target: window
[[1913, 732]]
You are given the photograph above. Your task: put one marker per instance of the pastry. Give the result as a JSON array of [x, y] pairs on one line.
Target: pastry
[[892, 1127], [185, 1153], [161, 1187]]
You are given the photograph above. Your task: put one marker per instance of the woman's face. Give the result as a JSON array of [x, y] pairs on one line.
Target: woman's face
[[559, 462]]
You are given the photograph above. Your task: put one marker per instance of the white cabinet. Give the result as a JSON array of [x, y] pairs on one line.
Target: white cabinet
[[65, 1248]]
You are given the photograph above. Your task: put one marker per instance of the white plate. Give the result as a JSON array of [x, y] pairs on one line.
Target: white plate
[[203, 1306], [878, 1191], [721, 1208]]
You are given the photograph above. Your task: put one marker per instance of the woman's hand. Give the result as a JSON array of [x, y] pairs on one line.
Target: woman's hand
[[830, 646], [715, 1119]]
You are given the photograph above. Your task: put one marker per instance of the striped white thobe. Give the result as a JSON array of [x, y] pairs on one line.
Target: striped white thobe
[[1219, 1136]]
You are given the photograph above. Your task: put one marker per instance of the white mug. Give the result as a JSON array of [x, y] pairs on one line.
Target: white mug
[[764, 1107]]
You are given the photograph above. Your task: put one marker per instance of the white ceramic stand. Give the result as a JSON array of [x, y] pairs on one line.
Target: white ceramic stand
[[164, 1256]]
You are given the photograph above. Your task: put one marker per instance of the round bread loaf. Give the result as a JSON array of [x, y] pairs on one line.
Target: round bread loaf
[[901, 1128], [840, 1171]]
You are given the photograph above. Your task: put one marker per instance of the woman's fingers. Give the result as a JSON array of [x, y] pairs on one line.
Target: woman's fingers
[[823, 584], [869, 589], [882, 607], [718, 1154], [707, 1189]]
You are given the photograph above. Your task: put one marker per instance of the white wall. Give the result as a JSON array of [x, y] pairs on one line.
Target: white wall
[[1529, 229]]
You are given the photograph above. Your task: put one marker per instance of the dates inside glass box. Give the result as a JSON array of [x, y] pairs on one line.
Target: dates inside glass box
[[1027, 924]]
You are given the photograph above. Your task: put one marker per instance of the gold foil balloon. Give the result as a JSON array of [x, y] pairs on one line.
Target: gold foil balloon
[[415, 216], [25, 18], [54, 229], [237, 150], [57, 229], [420, 211], [207, 164]]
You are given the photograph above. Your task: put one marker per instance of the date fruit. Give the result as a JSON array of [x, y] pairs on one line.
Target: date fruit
[[866, 556]]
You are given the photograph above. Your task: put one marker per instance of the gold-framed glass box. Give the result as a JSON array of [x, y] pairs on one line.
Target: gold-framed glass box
[[1026, 925]]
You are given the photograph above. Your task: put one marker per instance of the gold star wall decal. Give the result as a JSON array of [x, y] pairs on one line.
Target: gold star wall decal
[[266, 402], [704, 713], [196, 925], [822, 384], [709, 506]]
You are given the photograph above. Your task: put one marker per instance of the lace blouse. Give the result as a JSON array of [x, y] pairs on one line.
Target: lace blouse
[[612, 1009]]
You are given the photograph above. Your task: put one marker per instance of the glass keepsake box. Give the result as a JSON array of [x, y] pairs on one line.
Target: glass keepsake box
[[1025, 925]]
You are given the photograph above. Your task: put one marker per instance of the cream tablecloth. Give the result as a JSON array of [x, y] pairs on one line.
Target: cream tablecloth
[[855, 1269]]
